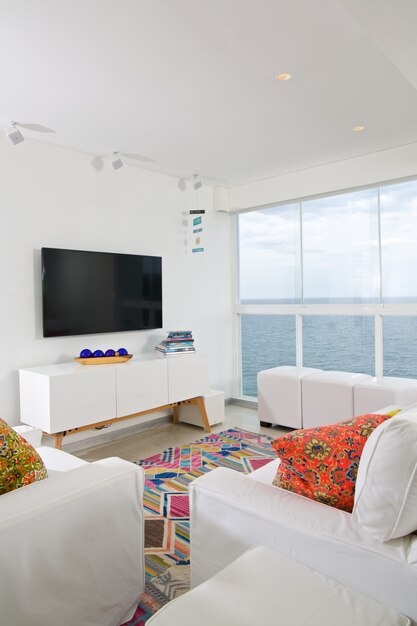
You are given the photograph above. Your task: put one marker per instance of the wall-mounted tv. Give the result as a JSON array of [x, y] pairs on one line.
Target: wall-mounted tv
[[86, 293]]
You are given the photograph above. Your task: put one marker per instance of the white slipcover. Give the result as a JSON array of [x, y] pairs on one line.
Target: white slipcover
[[386, 485], [71, 547], [264, 587], [231, 512], [58, 460]]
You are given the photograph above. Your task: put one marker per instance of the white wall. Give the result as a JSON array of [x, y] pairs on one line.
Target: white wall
[[368, 169], [54, 197]]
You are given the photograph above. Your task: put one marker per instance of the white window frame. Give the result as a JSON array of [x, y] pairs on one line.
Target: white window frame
[[377, 311]]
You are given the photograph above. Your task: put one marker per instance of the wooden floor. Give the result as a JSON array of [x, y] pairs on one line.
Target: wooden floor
[[153, 440]]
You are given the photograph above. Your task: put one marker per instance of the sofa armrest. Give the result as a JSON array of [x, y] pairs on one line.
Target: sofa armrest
[[31, 434], [71, 547], [230, 513]]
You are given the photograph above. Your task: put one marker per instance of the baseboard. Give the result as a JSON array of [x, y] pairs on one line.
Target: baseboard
[[246, 402]]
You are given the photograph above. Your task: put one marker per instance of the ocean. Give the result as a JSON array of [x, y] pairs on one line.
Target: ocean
[[342, 342]]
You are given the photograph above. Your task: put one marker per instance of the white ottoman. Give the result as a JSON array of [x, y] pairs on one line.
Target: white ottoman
[[214, 404], [327, 397], [279, 395], [263, 587], [374, 394]]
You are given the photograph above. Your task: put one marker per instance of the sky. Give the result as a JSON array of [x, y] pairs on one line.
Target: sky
[[340, 237]]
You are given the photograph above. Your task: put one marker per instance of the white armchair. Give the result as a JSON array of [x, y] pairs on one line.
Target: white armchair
[[71, 546], [231, 512]]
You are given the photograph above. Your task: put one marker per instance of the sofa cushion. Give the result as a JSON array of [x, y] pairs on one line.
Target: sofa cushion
[[20, 464], [386, 490], [57, 461], [322, 463], [246, 592]]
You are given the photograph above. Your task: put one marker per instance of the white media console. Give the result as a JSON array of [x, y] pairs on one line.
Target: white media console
[[69, 397]]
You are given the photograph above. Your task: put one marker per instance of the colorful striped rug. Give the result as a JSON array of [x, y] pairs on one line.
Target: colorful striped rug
[[168, 475]]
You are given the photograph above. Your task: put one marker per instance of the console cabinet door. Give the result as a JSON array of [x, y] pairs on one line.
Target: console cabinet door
[[141, 385], [188, 376], [81, 398], [64, 396]]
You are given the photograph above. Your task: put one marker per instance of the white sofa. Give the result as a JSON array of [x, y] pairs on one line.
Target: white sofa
[[231, 512], [264, 587], [71, 546]]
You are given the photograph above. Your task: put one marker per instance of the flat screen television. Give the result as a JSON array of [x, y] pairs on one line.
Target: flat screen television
[[86, 293]]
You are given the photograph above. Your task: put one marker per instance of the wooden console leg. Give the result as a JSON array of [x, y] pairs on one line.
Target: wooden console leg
[[200, 403], [266, 424], [175, 414], [58, 440]]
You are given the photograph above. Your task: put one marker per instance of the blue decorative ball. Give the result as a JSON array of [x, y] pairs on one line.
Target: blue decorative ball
[[86, 353], [122, 351], [109, 352], [98, 353]]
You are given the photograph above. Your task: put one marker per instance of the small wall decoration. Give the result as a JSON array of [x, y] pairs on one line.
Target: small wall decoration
[[197, 229]]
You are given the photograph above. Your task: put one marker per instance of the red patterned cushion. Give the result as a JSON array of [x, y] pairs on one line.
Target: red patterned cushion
[[322, 463], [20, 464]]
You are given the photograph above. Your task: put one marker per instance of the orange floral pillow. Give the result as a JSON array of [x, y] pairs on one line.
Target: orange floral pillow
[[20, 464], [322, 463]]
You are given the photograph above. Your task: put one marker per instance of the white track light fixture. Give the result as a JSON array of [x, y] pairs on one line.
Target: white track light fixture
[[14, 134], [116, 161], [197, 181]]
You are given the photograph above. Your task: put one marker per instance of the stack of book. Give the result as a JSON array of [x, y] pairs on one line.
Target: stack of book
[[177, 342]]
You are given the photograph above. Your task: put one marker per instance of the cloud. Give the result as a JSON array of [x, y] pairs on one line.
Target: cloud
[[340, 246]]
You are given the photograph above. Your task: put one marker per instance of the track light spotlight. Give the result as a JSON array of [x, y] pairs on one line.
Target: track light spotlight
[[197, 181], [14, 134], [116, 161]]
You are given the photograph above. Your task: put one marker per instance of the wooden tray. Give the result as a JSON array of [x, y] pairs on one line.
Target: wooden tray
[[101, 360]]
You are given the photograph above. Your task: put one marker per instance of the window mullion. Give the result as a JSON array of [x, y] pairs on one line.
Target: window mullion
[[301, 256], [299, 340], [379, 247], [379, 356]]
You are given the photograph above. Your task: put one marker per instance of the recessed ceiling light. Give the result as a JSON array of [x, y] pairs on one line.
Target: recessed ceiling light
[[283, 76], [358, 129]]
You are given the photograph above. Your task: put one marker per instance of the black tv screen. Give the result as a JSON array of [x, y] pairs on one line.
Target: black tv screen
[[86, 293]]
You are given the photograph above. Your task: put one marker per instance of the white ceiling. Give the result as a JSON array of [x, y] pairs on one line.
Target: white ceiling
[[190, 84]]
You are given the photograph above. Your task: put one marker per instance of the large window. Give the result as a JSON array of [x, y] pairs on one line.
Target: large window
[[269, 255], [399, 242], [267, 341], [400, 346], [330, 283], [340, 248], [339, 342]]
